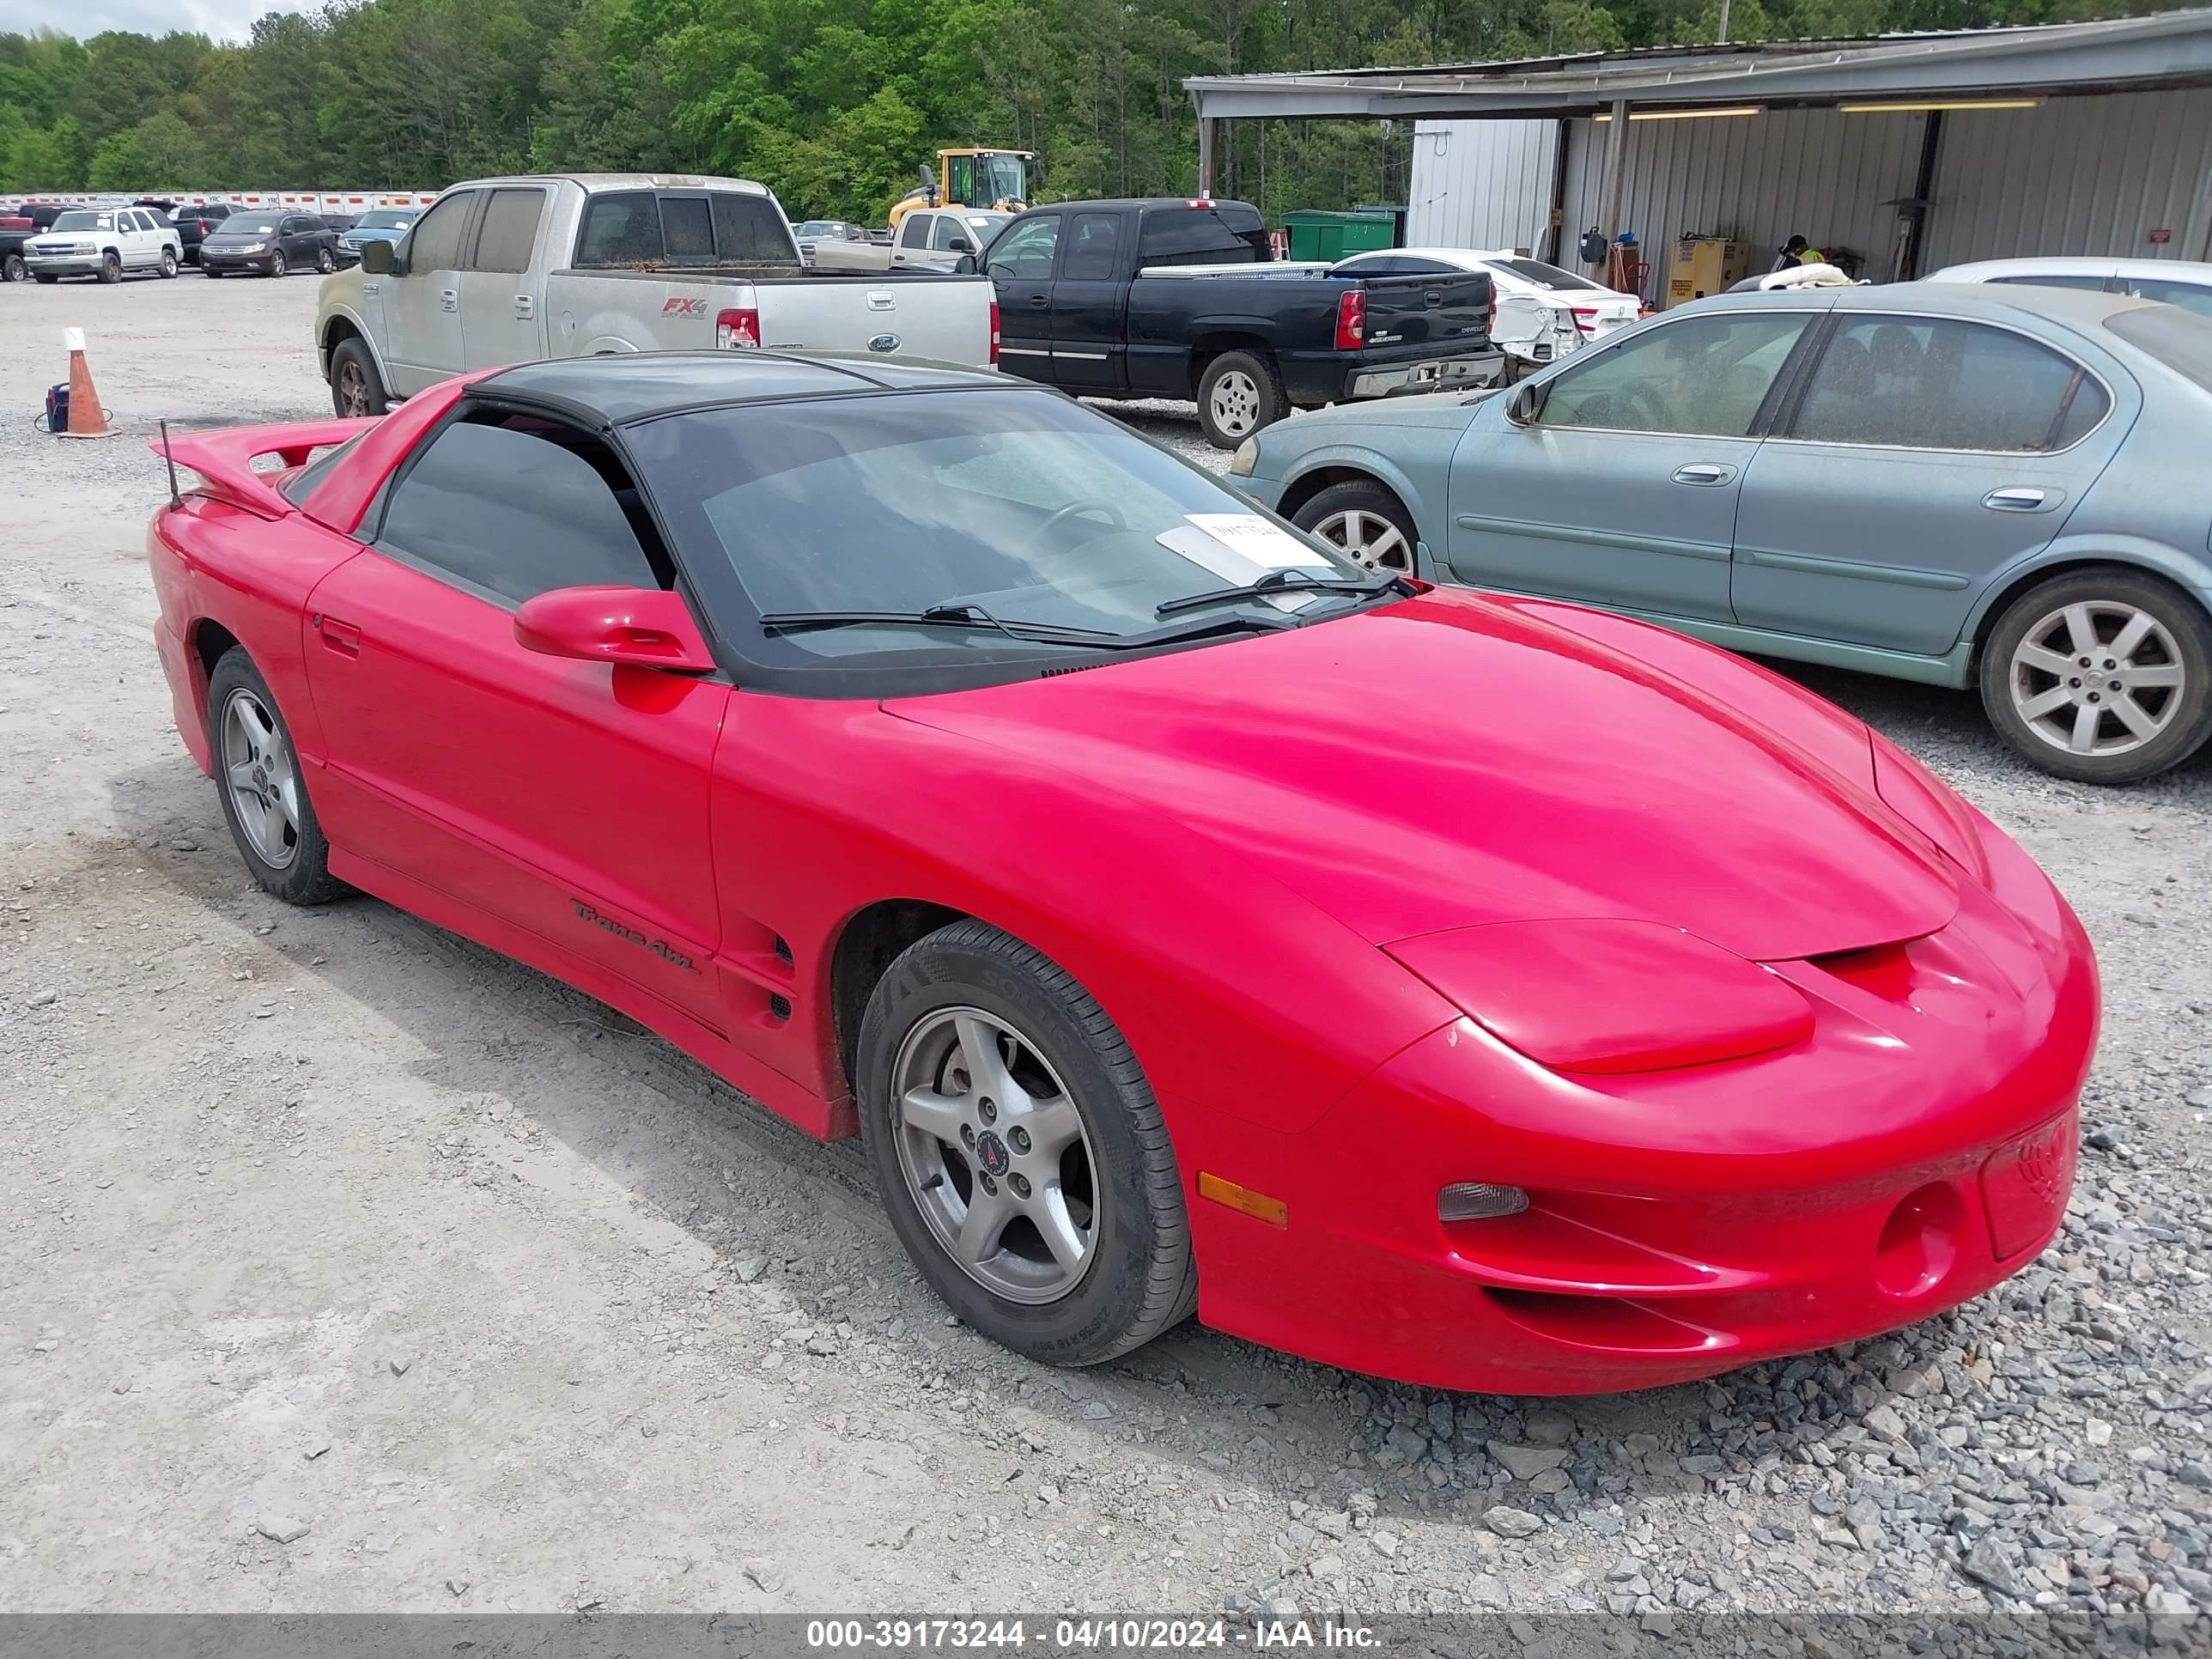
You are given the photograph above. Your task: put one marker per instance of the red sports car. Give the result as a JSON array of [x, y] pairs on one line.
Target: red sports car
[[1488, 993]]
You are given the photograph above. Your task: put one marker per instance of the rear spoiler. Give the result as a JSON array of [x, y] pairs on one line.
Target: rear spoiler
[[224, 457]]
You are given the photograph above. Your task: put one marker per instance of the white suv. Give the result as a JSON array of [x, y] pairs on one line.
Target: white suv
[[2183, 282], [104, 242]]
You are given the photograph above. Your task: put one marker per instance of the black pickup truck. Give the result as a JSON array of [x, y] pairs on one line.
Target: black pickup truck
[[1168, 298]]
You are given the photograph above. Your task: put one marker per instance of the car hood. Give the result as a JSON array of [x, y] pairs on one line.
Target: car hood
[[1456, 760]]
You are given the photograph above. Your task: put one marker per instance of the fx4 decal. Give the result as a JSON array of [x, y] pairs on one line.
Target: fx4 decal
[[682, 308]]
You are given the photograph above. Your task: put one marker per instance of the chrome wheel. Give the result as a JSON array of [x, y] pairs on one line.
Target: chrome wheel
[[1235, 404], [277, 267], [264, 783], [1369, 540], [2097, 677], [994, 1155], [353, 388], [324, 262]]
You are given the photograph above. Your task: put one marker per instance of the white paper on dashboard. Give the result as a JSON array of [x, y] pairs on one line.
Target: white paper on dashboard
[[1273, 547], [1234, 565]]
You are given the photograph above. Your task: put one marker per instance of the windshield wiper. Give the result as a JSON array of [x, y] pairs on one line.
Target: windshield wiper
[[941, 616], [1291, 580]]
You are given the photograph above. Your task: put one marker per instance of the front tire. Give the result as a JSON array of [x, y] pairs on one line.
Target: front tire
[[277, 265], [263, 788], [110, 267], [1239, 393], [1021, 1155], [1366, 523], [356, 389], [2102, 675]]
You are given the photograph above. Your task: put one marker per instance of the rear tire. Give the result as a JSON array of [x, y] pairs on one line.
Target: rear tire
[[263, 787], [356, 389], [325, 262], [1367, 523], [13, 269], [1239, 393], [168, 264], [2103, 675], [1099, 1172]]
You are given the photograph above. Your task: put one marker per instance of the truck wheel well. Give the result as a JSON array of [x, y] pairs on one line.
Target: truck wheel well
[[1305, 488], [1207, 346], [334, 336], [2036, 578], [867, 945]]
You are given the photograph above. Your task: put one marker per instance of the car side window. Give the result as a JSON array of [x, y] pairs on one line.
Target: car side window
[[1091, 241], [915, 233], [515, 506], [1944, 383], [435, 241], [1026, 252], [621, 228], [1702, 377], [509, 230], [2190, 296], [2051, 279]]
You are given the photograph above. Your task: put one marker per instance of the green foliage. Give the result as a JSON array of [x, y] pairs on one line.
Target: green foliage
[[833, 103]]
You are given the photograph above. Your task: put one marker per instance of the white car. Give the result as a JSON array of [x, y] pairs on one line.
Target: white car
[[1543, 312], [2181, 282], [104, 242]]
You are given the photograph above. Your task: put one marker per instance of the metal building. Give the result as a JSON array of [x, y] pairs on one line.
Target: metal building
[[1914, 151]]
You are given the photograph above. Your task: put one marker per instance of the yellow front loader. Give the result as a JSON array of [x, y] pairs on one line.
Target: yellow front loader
[[975, 177]]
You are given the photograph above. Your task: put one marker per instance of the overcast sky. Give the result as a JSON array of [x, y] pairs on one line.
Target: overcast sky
[[222, 20]]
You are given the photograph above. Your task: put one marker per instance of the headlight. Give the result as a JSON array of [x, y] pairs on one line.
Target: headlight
[[1609, 996], [254, 247], [1246, 457]]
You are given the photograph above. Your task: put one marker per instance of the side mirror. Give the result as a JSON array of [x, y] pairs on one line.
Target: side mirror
[[1524, 404], [961, 244], [376, 258], [635, 627], [965, 266]]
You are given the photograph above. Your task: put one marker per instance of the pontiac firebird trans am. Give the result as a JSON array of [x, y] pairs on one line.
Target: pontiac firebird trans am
[[1487, 994]]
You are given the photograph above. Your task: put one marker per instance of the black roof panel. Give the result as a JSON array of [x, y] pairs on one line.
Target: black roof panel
[[637, 386]]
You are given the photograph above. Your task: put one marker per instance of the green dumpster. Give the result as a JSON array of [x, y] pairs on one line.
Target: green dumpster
[[1316, 234]]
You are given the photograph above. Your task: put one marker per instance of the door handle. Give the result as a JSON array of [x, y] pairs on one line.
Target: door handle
[[1040, 301], [2016, 500], [342, 637], [524, 305], [450, 298], [1703, 472]]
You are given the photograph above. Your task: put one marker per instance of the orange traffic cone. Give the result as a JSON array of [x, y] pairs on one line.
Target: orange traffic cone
[[87, 419]]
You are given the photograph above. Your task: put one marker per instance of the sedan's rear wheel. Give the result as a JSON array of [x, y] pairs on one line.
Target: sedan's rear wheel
[[263, 792], [2104, 676], [1020, 1153], [1368, 524]]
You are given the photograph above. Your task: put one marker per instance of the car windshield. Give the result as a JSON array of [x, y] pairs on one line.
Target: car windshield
[[2181, 340], [249, 228], [1546, 277], [821, 228], [85, 221], [384, 219], [1033, 508]]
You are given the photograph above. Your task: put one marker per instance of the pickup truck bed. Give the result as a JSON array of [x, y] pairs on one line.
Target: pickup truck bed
[[1172, 299]]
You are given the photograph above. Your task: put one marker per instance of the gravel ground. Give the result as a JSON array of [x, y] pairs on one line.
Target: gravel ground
[[354, 1267]]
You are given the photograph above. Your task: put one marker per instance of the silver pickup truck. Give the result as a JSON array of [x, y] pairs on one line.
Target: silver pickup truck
[[506, 270]]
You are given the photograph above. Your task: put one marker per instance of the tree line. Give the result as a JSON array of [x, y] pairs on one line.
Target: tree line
[[832, 103]]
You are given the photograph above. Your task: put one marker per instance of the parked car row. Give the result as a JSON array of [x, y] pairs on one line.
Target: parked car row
[[1983, 480], [111, 243]]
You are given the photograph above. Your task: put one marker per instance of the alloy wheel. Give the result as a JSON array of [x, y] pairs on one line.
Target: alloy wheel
[[323, 263], [353, 389], [1235, 404], [263, 781], [276, 263], [2097, 677], [1369, 540], [995, 1156]]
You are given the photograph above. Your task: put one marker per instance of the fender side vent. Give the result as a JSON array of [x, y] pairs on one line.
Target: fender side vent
[[779, 1005], [782, 950]]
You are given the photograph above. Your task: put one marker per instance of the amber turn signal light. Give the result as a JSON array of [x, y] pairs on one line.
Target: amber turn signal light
[[1245, 1200]]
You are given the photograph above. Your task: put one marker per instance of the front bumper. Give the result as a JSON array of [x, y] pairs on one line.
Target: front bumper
[[1468, 373], [63, 264], [1917, 1150], [260, 262]]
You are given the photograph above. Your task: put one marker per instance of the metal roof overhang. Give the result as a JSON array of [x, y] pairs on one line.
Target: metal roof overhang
[[2169, 49]]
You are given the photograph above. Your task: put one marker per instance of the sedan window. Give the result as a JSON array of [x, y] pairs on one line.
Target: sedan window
[[518, 508], [1550, 277], [2190, 296], [1944, 383], [1702, 376]]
